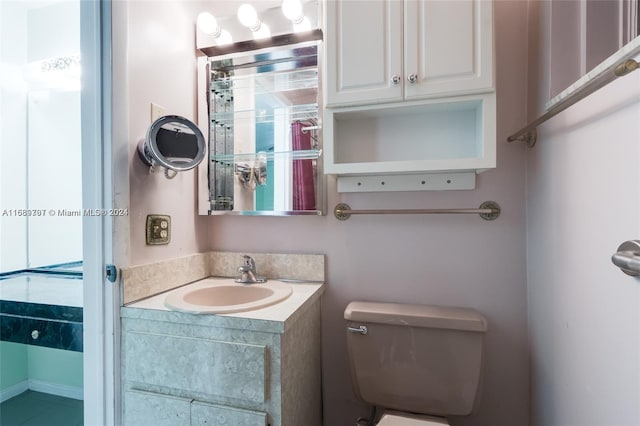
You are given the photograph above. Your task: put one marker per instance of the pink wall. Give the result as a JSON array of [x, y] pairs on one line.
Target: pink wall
[[161, 68], [457, 261]]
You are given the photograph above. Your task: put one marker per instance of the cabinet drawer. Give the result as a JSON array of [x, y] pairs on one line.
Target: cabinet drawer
[[232, 370], [152, 409], [65, 335], [203, 414]]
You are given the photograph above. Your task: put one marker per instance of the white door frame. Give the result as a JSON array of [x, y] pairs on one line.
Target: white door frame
[[100, 296]]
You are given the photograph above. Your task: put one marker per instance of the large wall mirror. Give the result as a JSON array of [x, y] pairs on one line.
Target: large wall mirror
[[40, 143], [264, 127]]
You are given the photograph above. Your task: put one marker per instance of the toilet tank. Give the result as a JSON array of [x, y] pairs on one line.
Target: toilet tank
[[416, 358]]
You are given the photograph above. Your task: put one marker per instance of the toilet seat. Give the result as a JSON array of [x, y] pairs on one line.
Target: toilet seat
[[396, 418]]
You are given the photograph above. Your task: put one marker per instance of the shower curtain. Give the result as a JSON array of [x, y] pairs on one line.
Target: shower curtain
[[304, 195]]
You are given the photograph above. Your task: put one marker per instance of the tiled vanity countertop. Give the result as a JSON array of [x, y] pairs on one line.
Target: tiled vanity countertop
[[42, 309], [41, 288], [273, 319]]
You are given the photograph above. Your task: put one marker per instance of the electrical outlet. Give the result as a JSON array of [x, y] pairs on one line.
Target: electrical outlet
[[156, 112], [158, 229]]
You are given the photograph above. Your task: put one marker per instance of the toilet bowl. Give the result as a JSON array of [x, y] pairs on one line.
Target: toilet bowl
[[418, 363]]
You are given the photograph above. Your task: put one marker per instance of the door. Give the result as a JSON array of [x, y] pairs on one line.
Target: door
[[54, 161], [363, 42], [583, 201], [448, 47], [100, 303]]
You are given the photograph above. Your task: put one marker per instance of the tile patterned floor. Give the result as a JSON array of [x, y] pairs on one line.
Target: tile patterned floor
[[40, 409]]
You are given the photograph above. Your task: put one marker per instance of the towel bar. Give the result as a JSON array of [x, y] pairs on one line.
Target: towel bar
[[528, 134], [489, 210]]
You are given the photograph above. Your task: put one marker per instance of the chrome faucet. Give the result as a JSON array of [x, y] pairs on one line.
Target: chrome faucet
[[247, 272]]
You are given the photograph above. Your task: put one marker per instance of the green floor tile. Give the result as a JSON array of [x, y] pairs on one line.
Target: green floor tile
[[40, 409]]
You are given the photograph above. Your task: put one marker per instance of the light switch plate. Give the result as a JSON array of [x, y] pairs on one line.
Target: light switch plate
[[158, 229], [156, 112]]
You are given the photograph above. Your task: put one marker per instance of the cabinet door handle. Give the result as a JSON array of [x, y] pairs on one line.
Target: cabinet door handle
[[395, 79], [412, 78]]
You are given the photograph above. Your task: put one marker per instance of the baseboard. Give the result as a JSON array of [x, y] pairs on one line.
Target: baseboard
[[66, 391], [15, 390]]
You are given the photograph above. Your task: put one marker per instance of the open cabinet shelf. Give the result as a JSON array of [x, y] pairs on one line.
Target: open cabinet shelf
[[432, 136]]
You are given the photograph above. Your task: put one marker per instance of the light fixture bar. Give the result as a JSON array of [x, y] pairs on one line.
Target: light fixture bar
[[273, 41]]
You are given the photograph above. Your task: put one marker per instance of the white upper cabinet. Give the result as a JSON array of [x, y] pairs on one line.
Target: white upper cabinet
[[409, 94], [380, 51], [448, 47], [364, 51]]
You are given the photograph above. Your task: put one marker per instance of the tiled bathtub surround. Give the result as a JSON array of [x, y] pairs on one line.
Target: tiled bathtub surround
[[143, 281]]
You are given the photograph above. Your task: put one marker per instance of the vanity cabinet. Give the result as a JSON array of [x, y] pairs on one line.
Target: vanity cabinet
[[409, 94], [382, 51], [187, 369], [151, 408]]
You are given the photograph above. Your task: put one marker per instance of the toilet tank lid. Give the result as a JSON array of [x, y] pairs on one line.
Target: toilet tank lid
[[428, 316]]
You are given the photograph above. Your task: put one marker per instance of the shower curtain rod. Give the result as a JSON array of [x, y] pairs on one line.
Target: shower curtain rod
[[627, 65], [489, 210]]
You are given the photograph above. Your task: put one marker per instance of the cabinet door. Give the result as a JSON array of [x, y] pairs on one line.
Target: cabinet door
[[203, 414], [363, 41], [448, 47], [148, 408], [227, 369]]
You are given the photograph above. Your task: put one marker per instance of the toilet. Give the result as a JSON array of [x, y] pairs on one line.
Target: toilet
[[416, 363]]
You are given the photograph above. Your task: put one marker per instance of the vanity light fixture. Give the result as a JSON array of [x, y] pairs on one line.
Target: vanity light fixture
[[262, 32], [225, 38], [248, 17], [292, 10], [304, 25], [208, 24]]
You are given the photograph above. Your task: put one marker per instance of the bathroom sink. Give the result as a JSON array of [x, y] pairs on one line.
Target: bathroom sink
[[213, 296]]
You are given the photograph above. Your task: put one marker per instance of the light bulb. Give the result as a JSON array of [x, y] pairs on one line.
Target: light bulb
[[292, 10], [208, 24], [224, 38], [262, 32], [304, 25], [248, 17]]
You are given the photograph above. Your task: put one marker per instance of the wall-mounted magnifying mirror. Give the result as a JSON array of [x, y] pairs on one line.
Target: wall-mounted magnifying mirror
[[174, 143]]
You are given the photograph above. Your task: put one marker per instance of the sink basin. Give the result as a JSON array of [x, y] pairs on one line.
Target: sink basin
[[226, 296]]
